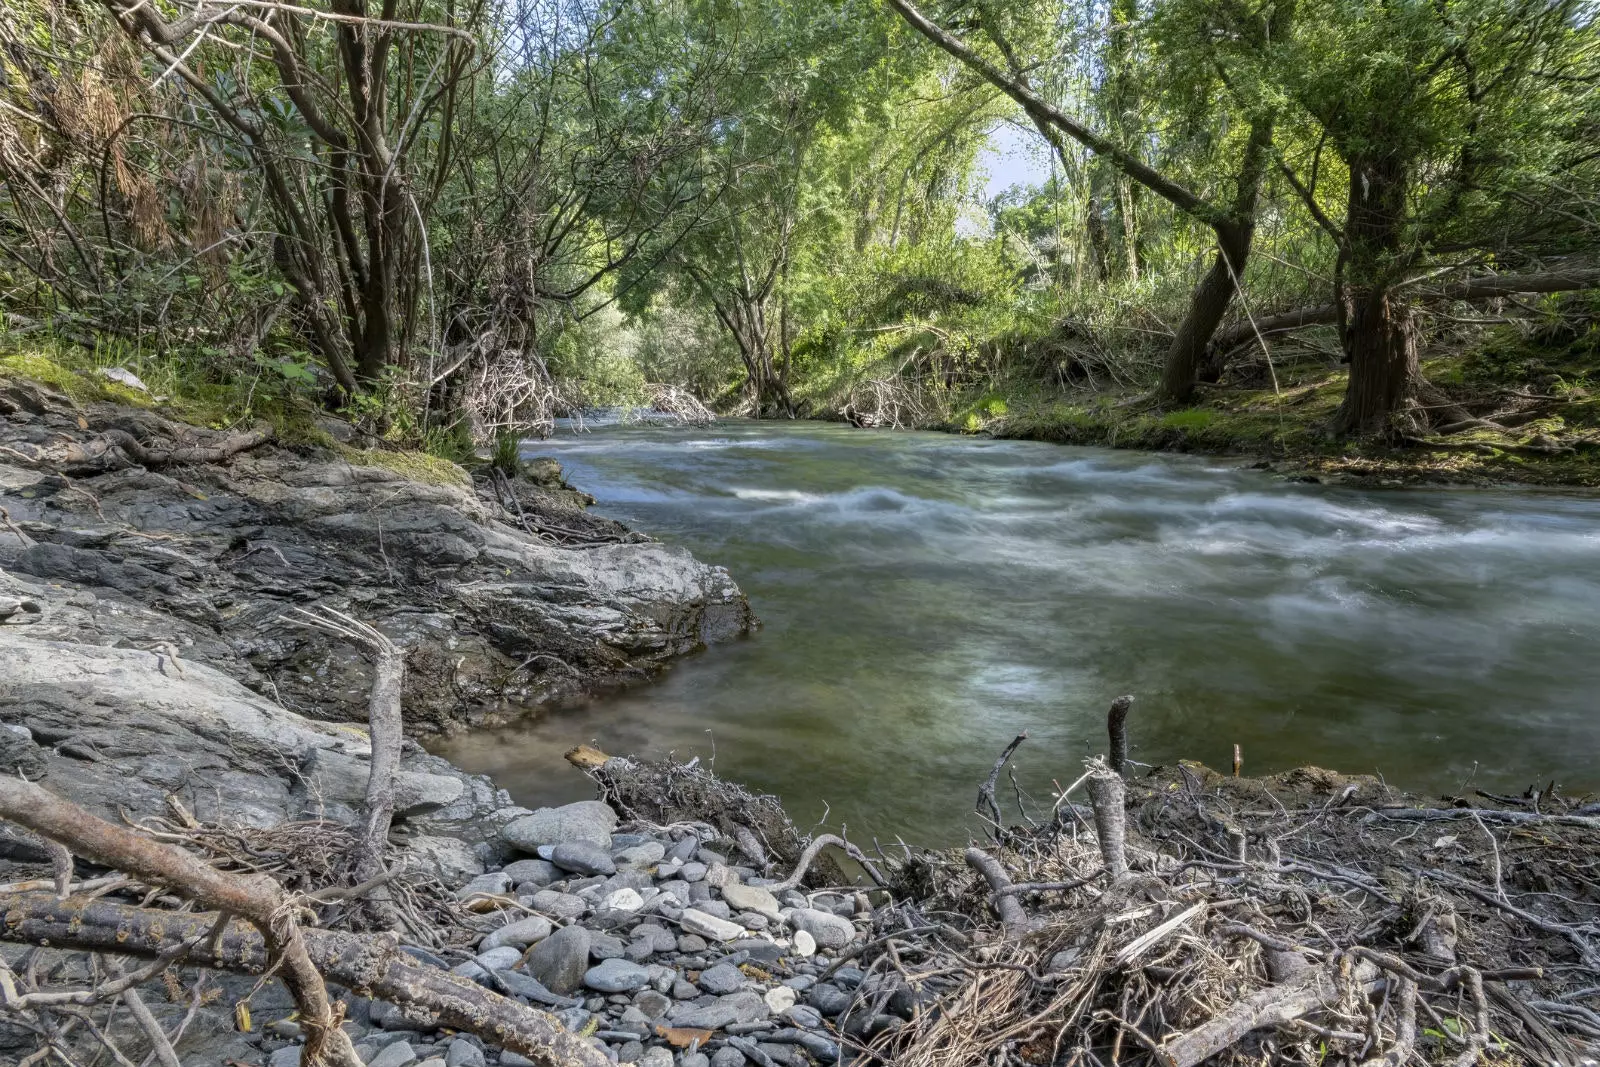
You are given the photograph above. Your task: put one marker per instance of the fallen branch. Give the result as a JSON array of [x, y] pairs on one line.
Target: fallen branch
[[986, 790], [1108, 794], [1012, 914], [256, 897], [371, 964], [1314, 990]]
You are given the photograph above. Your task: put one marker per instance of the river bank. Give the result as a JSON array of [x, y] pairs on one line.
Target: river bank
[[1511, 411]]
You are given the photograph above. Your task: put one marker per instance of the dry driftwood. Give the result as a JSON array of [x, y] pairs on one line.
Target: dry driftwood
[[373, 965], [258, 898], [384, 729], [1312, 990]]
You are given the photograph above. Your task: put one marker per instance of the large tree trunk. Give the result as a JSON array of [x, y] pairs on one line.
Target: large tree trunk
[[1382, 345], [1380, 337]]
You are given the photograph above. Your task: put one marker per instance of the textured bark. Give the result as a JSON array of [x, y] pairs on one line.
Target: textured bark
[[1117, 732], [1108, 794], [370, 965]]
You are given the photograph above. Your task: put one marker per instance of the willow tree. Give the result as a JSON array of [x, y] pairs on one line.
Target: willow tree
[[1228, 46], [1463, 130]]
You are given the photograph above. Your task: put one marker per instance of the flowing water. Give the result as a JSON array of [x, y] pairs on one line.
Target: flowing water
[[928, 597]]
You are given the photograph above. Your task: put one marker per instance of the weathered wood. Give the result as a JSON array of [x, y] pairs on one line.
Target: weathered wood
[[1117, 732], [256, 897], [1013, 916], [370, 965], [1313, 990], [1108, 794]]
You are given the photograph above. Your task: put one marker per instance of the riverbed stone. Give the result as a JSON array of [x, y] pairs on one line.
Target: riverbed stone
[[727, 1057], [622, 900], [693, 871], [827, 998], [656, 1057], [711, 926], [779, 999], [722, 979], [463, 1053], [499, 959], [582, 857], [587, 821], [535, 872], [643, 855], [751, 898], [604, 947], [519, 934], [829, 930], [560, 960], [396, 1055], [491, 884], [616, 976], [745, 1007], [285, 1057], [804, 943]]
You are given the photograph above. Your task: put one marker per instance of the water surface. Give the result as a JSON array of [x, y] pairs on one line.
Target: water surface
[[928, 597]]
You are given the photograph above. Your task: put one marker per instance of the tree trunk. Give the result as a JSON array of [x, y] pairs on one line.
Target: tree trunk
[[1380, 338], [1382, 346], [1206, 307]]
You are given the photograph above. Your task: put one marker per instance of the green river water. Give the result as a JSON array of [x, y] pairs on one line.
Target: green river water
[[927, 597]]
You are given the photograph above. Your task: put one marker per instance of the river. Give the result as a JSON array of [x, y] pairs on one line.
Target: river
[[928, 597]]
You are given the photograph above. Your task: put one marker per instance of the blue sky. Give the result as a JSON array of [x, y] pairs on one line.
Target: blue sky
[[1015, 155]]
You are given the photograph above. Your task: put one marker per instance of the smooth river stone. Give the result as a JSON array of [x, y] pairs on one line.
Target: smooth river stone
[[751, 898], [616, 976], [698, 922], [590, 821], [829, 930]]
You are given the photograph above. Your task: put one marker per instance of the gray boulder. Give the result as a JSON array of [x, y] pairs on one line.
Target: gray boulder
[[590, 821], [581, 857], [559, 961]]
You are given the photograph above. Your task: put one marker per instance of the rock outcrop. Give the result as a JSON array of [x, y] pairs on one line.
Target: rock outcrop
[[500, 609]]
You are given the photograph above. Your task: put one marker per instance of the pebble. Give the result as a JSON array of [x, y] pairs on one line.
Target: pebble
[[432, 1061], [744, 1007], [285, 1057], [719, 876], [712, 926], [689, 944], [719, 908], [499, 959], [463, 1053], [829, 999], [604, 947], [722, 979], [395, 1055], [623, 900], [495, 882], [632, 1052], [654, 1005], [804, 1016], [779, 999], [559, 960], [581, 857], [539, 872], [519, 934], [647, 854], [561, 905], [727, 1057], [656, 1057], [692, 872], [616, 976], [829, 930], [695, 1059], [514, 1059], [804, 943], [660, 938]]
